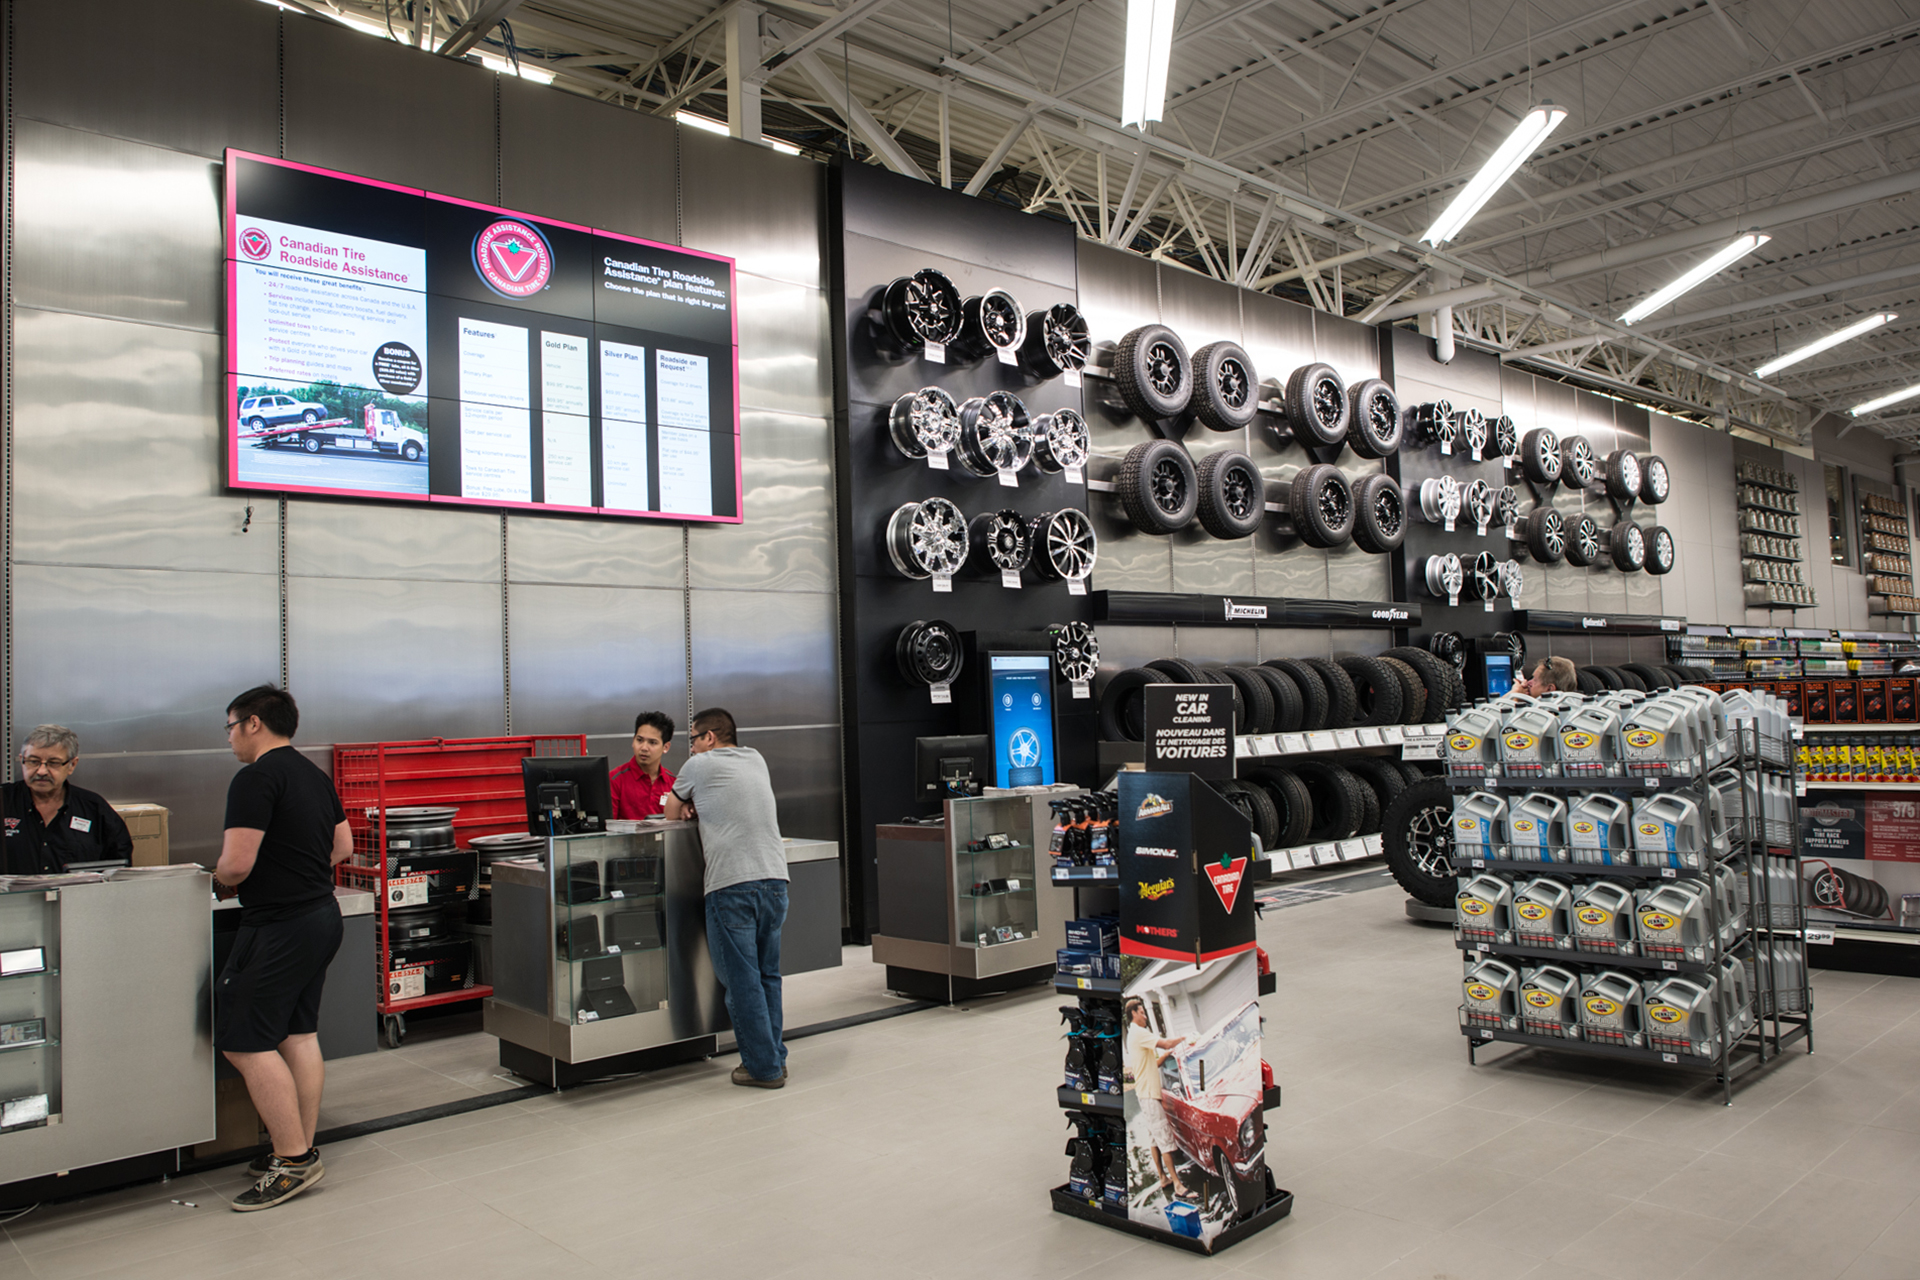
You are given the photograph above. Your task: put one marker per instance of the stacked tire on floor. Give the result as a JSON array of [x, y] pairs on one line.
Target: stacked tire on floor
[[1311, 801]]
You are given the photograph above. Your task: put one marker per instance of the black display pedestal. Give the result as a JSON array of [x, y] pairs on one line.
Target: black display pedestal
[[1279, 1204], [948, 989]]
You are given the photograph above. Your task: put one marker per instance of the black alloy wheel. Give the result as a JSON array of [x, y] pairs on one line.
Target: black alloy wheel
[[929, 652], [1057, 341], [921, 308]]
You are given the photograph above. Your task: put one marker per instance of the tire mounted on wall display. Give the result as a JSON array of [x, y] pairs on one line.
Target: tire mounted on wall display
[[1584, 542], [1540, 456], [1121, 716], [1152, 373], [1158, 487], [1226, 391], [1233, 498], [1321, 504], [1545, 533], [1316, 405], [1379, 515], [1374, 425]]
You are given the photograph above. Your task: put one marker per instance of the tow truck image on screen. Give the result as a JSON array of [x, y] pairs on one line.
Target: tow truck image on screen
[[326, 436], [377, 431]]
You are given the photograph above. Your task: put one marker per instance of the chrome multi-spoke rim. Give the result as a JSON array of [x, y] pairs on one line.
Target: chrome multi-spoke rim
[[1553, 534], [927, 421], [1076, 651], [1064, 332], [1061, 440], [1068, 544]]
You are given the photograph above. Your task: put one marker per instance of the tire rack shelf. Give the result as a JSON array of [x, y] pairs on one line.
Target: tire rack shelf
[[479, 775], [1774, 1029]]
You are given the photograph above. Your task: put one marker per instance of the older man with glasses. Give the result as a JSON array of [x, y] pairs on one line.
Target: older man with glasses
[[52, 824]]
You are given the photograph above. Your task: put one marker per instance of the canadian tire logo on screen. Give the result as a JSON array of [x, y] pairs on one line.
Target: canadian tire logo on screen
[[255, 243], [513, 259]]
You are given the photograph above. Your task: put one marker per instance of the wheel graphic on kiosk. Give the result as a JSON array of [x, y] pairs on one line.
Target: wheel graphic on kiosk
[[1023, 749]]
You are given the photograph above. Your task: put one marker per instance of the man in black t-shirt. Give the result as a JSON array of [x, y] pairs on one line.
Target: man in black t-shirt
[[285, 831], [51, 823]]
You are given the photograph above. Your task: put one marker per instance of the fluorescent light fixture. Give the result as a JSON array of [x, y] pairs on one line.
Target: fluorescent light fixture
[[710, 125], [1501, 165], [493, 62], [1713, 266], [1143, 93], [784, 148], [1834, 339], [1894, 397]]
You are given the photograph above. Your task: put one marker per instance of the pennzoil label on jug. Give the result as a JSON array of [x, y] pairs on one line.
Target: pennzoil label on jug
[[1542, 999], [1666, 1013], [1578, 739], [1643, 738], [1658, 921], [1533, 911], [1474, 906], [1651, 830], [1481, 991], [1519, 741], [1463, 742], [1593, 916], [1601, 1007]]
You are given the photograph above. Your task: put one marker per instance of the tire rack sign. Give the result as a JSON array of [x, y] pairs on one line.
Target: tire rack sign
[[1189, 729]]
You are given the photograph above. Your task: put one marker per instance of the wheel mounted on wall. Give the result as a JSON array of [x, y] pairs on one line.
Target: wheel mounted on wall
[[1152, 373], [1057, 341], [1060, 440], [1506, 439], [1473, 432], [1374, 425], [1076, 651], [927, 539], [1000, 542], [921, 308], [1483, 578], [929, 652], [990, 322], [1655, 483], [924, 421], [1226, 391], [1662, 551], [1064, 545], [1316, 405], [1584, 543], [1478, 502], [1158, 487], [1379, 515], [1440, 499], [1320, 504], [995, 434], [1444, 576], [1435, 423], [1540, 456], [1578, 462], [1506, 505], [1627, 545], [1624, 474], [1233, 499]]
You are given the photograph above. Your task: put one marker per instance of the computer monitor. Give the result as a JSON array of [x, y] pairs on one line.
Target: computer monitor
[[1020, 712], [1498, 670], [946, 768], [566, 795]]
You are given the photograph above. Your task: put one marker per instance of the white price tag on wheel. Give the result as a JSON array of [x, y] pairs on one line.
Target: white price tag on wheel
[[1007, 355], [1081, 689], [1488, 606], [407, 891], [1071, 378], [1076, 586], [1010, 579], [1074, 475], [1446, 448], [1009, 479], [937, 460], [942, 693], [1449, 526], [942, 583], [937, 352]]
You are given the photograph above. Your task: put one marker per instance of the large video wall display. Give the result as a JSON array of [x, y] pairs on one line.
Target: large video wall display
[[386, 342]]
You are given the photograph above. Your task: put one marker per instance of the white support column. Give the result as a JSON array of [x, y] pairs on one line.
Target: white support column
[[744, 74]]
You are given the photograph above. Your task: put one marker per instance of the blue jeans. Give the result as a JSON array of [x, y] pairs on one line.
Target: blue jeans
[[743, 935]]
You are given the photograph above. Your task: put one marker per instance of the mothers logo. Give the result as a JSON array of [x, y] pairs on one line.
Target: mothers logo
[[513, 259], [255, 243]]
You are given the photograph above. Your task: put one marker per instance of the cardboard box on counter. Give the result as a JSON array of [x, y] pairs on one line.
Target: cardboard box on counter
[[147, 824]]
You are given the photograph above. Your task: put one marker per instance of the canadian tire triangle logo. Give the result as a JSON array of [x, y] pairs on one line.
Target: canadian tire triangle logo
[[1226, 880]]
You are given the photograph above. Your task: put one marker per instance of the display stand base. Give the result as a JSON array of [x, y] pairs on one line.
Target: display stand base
[[532, 1065], [1417, 910], [1278, 1206], [943, 988]]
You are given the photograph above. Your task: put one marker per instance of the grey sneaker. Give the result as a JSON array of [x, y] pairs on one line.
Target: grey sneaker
[[283, 1180], [260, 1162]]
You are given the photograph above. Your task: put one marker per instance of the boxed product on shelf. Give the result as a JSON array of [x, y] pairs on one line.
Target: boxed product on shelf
[[1816, 648], [1754, 647], [1844, 697], [1094, 933]]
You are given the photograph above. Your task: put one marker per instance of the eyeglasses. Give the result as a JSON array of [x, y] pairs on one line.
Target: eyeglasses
[[234, 724], [35, 763]]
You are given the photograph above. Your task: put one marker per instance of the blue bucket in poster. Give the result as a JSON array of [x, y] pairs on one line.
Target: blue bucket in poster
[[1184, 1219]]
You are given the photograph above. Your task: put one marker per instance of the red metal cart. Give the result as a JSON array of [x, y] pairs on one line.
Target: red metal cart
[[479, 775]]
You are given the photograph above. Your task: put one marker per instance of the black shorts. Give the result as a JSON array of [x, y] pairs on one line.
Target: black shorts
[[271, 986]]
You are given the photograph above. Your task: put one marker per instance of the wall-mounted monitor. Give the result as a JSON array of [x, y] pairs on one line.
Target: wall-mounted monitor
[[387, 342], [1020, 711], [1497, 669]]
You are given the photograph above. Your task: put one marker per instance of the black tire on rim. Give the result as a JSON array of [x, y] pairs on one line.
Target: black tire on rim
[[1001, 542], [1060, 440], [1064, 545], [1226, 391], [1506, 440], [929, 652], [1417, 835], [310, 443], [1655, 482], [1255, 694], [1290, 800], [1546, 535], [1287, 706], [1150, 369], [1158, 487], [1233, 499], [1379, 515], [1313, 691], [1057, 341], [1627, 544], [1321, 504], [995, 434], [1540, 456], [924, 421], [1316, 405], [989, 322], [1662, 552], [1374, 425], [1338, 807], [1121, 717], [1583, 541], [1578, 462], [1625, 475], [921, 308]]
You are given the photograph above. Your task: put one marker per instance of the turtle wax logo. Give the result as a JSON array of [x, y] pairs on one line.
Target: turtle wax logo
[[513, 259], [255, 243]]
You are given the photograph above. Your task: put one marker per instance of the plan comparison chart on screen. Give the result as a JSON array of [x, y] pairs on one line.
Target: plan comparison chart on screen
[[494, 398]]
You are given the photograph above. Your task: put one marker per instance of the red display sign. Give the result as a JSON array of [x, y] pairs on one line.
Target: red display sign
[[1893, 828]]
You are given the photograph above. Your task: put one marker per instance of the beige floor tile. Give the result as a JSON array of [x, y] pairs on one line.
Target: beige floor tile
[[1447, 1132], [1878, 1266], [1357, 1244], [1901, 1239], [1623, 1245], [1462, 1254], [1844, 1213], [1531, 1147], [1748, 1254], [1723, 1186]]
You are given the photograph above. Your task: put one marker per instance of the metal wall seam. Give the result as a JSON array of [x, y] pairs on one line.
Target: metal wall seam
[[6, 398], [506, 576]]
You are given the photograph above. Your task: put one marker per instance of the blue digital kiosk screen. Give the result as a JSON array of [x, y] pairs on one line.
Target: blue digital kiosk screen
[[1020, 686], [1499, 668]]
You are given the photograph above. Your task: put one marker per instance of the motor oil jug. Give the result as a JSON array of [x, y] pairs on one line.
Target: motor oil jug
[[1590, 741], [1738, 796], [1729, 888], [1529, 741], [1537, 829], [1789, 978], [1736, 996], [1783, 893], [1683, 1016], [1492, 990], [1610, 1009], [1549, 1002], [1602, 920], [1477, 821], [1542, 907], [1670, 830], [1675, 922], [1473, 741], [1657, 738], [1597, 828], [1710, 722], [1484, 911]]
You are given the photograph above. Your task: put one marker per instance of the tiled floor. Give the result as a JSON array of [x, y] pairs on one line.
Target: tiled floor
[[923, 1146]]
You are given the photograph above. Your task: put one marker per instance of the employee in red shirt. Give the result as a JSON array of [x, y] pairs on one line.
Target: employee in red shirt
[[640, 782]]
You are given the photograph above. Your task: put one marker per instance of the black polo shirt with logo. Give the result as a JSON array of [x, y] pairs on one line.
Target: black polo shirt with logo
[[85, 830]]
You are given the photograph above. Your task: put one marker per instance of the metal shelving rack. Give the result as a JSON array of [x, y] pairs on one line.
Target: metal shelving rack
[[1782, 1015], [1771, 539]]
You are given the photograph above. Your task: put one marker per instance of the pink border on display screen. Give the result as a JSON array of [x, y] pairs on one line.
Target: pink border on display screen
[[232, 216]]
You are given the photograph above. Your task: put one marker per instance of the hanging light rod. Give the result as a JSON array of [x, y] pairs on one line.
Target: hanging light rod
[[1713, 266], [1143, 93], [1501, 165], [1892, 397], [1834, 339]]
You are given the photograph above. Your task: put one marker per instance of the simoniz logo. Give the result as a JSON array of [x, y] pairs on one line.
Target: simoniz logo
[[1391, 615], [1248, 612], [1157, 890], [1590, 623]]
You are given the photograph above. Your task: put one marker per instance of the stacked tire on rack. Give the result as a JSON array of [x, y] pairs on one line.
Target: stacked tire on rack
[[1312, 801]]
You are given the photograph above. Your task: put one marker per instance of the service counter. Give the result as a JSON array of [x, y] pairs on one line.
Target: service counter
[[600, 961], [348, 1023]]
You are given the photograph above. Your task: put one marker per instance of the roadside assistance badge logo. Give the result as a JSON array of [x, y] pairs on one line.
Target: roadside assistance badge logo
[[255, 243], [1157, 890], [513, 259], [1154, 806], [1226, 880]]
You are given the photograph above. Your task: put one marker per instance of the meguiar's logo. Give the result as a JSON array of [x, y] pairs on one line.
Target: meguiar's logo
[[513, 259], [1157, 890]]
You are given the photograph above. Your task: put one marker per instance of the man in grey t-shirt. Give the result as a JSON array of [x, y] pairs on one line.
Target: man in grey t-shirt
[[725, 786]]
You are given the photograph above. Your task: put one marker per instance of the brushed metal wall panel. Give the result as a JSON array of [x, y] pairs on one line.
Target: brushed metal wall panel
[[381, 110], [762, 209], [1211, 646], [1646, 592], [1202, 562], [786, 541], [886, 206], [117, 432], [139, 659], [1129, 559], [1607, 589], [1364, 641], [375, 660], [1285, 566], [1199, 308], [213, 65], [1566, 586], [1118, 293], [398, 540], [115, 228], [804, 765], [1352, 574], [192, 786], [556, 158], [604, 553], [1288, 642], [1516, 397], [1553, 404], [767, 656], [1123, 646], [1280, 338], [1347, 345], [589, 659], [786, 347], [1595, 416]]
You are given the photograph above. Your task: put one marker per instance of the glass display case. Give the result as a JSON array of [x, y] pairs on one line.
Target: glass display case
[[29, 1009], [610, 927], [993, 867]]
